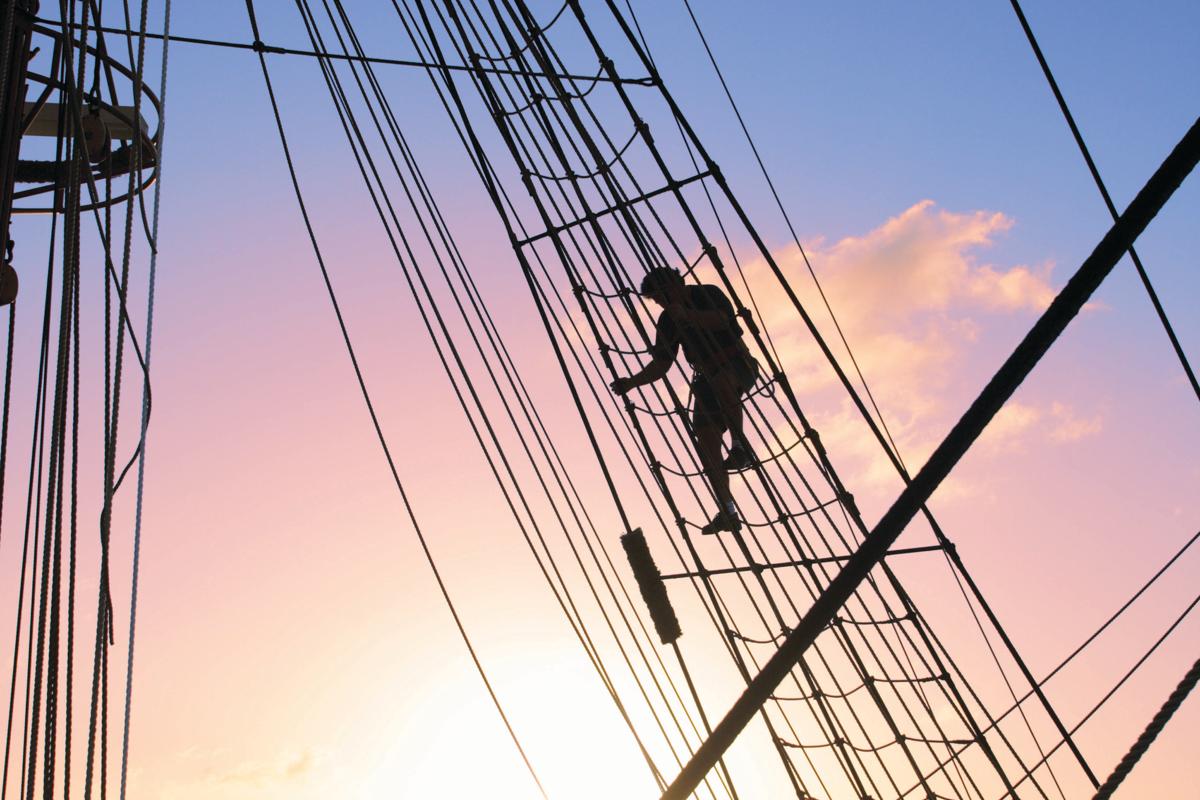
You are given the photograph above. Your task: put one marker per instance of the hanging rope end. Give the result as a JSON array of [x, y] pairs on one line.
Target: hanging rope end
[[650, 582]]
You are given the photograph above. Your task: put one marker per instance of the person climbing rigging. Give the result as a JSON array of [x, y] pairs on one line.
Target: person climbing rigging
[[702, 320]]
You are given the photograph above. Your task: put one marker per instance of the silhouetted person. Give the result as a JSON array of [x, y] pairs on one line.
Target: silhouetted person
[[702, 320]]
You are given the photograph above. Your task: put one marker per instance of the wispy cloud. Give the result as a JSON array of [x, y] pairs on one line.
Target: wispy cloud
[[260, 774], [202, 772], [1069, 427], [1010, 426]]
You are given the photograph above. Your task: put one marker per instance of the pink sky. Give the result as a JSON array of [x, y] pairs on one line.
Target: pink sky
[[291, 642], [326, 657]]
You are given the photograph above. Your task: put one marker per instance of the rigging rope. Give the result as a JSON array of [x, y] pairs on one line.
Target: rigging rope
[[453, 349], [538, 30], [145, 421], [788, 221], [327, 8], [44, 654], [433, 303], [483, 174], [604, 167], [371, 408], [7, 404], [259, 46], [677, 515], [1129, 674], [1172, 704], [883, 436], [1112, 209], [501, 190], [32, 495], [576, 397], [796, 239], [1095, 634], [492, 334]]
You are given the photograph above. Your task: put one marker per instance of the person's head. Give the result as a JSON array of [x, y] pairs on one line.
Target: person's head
[[662, 285]]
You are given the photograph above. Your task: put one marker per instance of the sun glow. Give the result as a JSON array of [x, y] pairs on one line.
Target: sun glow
[[449, 743]]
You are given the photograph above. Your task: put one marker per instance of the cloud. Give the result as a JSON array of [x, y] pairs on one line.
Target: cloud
[[1016, 289], [203, 772], [905, 294], [258, 774], [914, 296], [1070, 428], [1010, 425], [922, 260]]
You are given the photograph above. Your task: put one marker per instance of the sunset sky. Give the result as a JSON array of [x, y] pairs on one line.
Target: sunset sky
[[291, 641]]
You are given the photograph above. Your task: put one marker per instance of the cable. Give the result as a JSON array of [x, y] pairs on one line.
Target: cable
[[259, 46], [145, 421], [436, 84], [1112, 209], [1148, 736], [837, 369], [371, 408], [1095, 634], [1108, 696]]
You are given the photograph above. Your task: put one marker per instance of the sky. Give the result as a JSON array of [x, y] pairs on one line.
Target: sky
[[291, 641]]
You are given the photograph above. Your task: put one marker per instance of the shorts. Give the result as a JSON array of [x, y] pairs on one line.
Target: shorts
[[706, 409]]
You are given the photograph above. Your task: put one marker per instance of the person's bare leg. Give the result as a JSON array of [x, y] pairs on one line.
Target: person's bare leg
[[728, 393], [729, 398], [708, 447]]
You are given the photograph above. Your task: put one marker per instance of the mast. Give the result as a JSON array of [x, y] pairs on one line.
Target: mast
[[15, 36]]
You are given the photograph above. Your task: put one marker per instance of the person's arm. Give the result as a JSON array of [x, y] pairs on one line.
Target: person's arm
[[663, 353], [650, 373]]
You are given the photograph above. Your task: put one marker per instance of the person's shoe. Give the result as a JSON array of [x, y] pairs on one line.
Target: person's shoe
[[723, 521], [739, 458]]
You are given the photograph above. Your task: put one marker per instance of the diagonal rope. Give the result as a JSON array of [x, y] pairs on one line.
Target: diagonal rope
[[1156, 192], [1172, 704], [1124, 679]]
